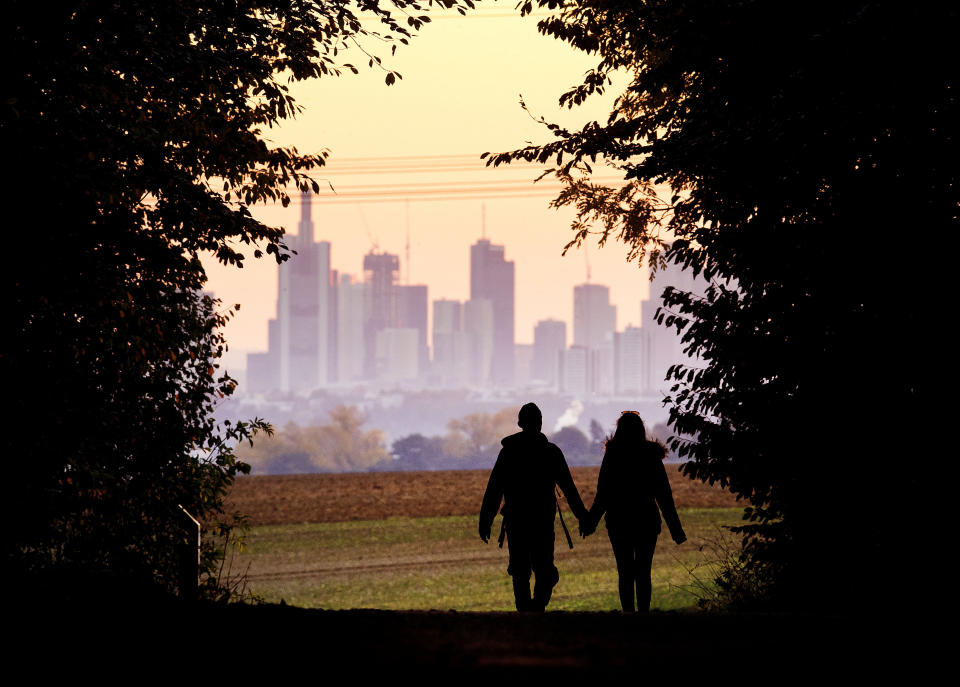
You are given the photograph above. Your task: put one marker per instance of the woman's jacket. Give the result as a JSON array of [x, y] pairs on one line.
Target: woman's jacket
[[632, 484]]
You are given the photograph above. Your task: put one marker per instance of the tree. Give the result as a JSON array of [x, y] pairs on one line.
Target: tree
[[136, 138], [573, 443], [286, 452], [343, 446], [598, 437], [417, 452], [476, 437], [340, 445], [784, 152]]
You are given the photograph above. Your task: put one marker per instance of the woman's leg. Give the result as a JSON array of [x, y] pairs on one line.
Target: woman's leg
[[623, 552], [644, 569]]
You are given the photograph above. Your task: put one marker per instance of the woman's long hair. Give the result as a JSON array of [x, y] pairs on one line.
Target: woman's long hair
[[630, 430], [631, 434]]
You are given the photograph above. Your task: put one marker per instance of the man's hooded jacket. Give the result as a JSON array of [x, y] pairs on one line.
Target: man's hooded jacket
[[524, 476]]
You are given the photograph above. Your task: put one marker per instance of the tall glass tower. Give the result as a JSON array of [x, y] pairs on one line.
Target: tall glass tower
[[492, 278]]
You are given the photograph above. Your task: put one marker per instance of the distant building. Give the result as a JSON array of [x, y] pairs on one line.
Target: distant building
[[602, 378], [594, 317], [397, 354], [380, 309], [549, 341], [594, 324], [479, 318], [333, 336], [575, 375], [492, 278], [351, 318], [412, 314], [664, 347], [302, 336], [449, 344], [523, 365], [263, 371], [632, 361]]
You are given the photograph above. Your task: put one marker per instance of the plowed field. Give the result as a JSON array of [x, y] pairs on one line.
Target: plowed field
[[291, 499]]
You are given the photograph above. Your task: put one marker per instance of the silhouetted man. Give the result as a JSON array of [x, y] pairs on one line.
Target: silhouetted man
[[524, 476]]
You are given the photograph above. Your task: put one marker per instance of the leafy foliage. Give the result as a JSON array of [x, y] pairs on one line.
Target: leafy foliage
[[478, 435], [417, 452], [340, 445], [598, 437], [572, 442], [798, 156], [137, 139]]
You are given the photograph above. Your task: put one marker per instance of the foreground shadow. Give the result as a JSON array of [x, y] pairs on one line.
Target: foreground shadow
[[126, 639]]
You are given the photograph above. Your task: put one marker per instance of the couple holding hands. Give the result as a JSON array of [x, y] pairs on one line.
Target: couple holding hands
[[632, 491]]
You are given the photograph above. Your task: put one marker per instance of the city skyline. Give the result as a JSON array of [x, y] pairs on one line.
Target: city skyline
[[331, 328], [544, 278], [425, 179]]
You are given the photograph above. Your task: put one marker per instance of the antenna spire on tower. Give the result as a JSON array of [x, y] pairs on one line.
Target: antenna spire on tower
[[483, 220], [305, 205], [305, 228]]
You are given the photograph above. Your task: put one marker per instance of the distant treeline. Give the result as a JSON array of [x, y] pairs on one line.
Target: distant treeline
[[471, 442]]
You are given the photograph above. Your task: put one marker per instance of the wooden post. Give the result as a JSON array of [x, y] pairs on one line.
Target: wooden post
[[190, 560]]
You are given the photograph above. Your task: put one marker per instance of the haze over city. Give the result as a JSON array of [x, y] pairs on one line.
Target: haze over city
[[372, 341], [405, 178], [405, 161]]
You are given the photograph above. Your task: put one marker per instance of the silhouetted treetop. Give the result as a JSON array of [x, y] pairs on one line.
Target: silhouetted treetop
[[803, 158], [748, 112], [137, 137], [163, 107]]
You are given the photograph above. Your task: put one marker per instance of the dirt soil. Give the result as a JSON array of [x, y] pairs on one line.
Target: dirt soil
[[290, 499]]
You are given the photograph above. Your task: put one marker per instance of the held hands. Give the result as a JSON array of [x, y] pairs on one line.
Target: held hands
[[587, 526], [485, 534]]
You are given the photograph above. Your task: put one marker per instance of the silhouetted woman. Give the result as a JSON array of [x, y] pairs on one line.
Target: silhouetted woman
[[632, 483]]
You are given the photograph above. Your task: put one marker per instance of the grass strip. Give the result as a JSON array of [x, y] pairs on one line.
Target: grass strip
[[440, 563]]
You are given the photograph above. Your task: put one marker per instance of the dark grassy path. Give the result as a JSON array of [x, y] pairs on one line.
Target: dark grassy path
[[271, 640]]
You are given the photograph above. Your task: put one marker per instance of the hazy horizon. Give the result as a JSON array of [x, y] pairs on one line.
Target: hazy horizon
[[449, 108]]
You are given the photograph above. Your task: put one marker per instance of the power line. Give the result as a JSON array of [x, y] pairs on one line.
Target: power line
[[436, 190], [420, 192], [418, 164], [445, 186]]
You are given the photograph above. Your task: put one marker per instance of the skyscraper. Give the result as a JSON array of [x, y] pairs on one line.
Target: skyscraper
[[333, 317], [380, 274], [663, 343], [412, 314], [478, 324], [303, 309], [575, 377], [351, 319], [632, 361], [549, 341], [594, 318], [449, 343], [492, 278], [523, 364], [300, 337], [594, 324], [397, 355]]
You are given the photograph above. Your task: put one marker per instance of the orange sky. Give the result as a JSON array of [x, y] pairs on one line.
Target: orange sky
[[462, 78]]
